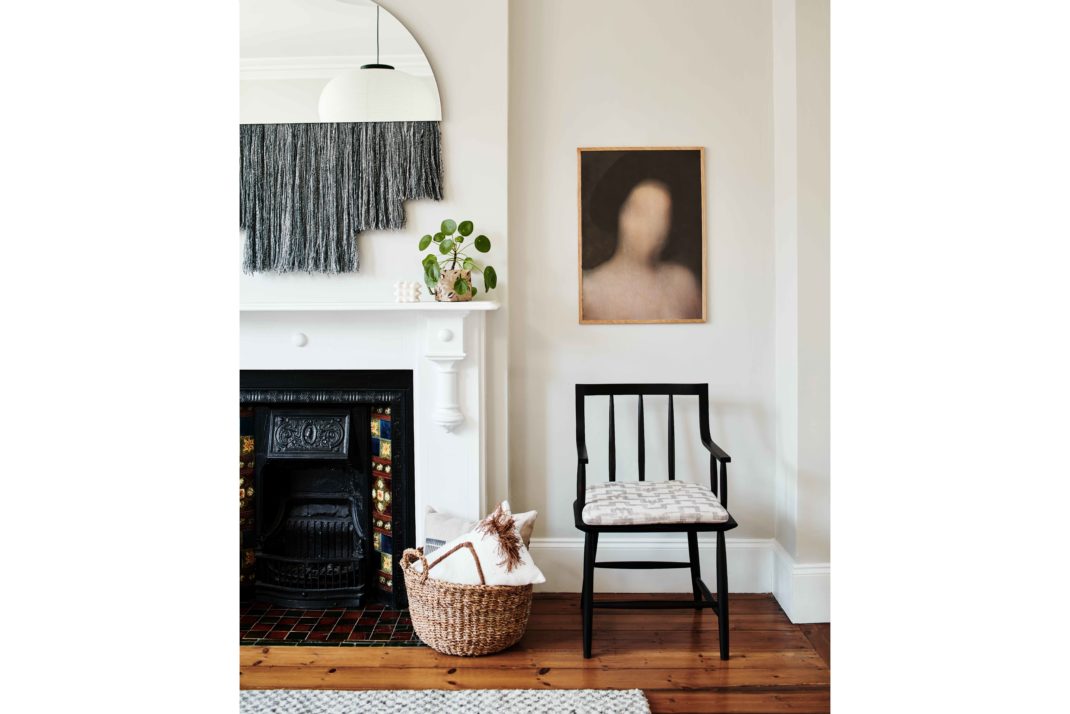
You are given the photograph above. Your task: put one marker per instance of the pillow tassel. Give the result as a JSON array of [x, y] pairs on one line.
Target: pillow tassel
[[502, 526]]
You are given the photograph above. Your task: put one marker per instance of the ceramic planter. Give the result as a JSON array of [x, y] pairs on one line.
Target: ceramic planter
[[445, 292]]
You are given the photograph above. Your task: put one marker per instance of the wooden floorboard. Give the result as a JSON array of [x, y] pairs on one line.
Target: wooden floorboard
[[672, 655], [820, 636]]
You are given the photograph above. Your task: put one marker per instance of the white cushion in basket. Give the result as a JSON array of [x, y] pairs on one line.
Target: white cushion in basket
[[460, 567], [628, 503], [442, 527]]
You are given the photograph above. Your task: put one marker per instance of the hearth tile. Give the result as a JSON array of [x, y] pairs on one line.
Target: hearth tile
[[294, 613], [260, 627], [317, 637], [333, 613], [307, 620], [368, 621], [277, 635], [303, 628], [296, 636], [288, 621], [353, 636], [277, 611], [352, 614]]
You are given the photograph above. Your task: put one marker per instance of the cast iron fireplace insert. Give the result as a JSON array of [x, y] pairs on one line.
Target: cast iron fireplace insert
[[321, 486]]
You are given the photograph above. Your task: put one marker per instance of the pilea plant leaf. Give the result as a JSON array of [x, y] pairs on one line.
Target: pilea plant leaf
[[482, 243], [490, 277], [445, 246], [469, 264], [460, 286], [430, 263], [439, 237], [424, 242], [449, 226], [474, 290], [465, 228]]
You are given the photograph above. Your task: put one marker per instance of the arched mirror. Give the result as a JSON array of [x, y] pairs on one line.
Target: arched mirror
[[340, 117], [331, 61]]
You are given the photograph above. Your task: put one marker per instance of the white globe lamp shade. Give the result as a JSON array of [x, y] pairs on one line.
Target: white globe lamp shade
[[379, 94]]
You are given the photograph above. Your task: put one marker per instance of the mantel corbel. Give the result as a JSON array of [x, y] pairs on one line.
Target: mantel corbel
[[444, 347]]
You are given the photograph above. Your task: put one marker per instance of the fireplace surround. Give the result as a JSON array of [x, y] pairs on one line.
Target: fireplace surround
[[333, 484]]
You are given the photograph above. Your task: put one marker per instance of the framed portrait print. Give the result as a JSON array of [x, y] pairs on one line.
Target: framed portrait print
[[642, 242]]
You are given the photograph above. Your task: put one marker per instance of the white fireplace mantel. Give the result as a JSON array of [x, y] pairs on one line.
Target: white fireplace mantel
[[444, 346]]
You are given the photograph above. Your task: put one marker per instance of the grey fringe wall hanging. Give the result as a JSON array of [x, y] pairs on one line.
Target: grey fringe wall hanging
[[307, 190]]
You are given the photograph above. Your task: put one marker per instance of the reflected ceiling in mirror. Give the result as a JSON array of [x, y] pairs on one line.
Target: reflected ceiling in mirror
[[301, 63]]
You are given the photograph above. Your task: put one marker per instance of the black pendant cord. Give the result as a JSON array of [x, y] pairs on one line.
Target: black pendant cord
[[377, 64]]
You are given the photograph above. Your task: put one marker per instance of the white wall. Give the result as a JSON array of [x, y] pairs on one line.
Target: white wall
[[801, 159], [812, 34], [473, 80], [641, 73]]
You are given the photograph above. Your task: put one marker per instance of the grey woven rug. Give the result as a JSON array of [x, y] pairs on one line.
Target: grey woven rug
[[462, 701]]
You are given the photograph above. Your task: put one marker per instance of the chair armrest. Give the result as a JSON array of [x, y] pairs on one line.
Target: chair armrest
[[716, 450]]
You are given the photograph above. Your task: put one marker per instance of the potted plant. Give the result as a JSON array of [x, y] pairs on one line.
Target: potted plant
[[448, 269]]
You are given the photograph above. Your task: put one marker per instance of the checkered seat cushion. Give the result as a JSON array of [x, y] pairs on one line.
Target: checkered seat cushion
[[629, 503]]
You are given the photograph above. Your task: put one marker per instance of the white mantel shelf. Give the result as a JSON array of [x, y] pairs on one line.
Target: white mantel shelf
[[428, 306]]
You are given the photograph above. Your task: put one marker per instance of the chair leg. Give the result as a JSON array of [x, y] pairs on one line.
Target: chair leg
[[722, 595], [590, 547], [696, 568]]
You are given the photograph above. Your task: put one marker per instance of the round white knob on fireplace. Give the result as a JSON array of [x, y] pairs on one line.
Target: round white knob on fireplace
[[445, 335], [300, 339]]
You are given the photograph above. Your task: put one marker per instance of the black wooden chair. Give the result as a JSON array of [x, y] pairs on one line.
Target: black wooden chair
[[653, 507]]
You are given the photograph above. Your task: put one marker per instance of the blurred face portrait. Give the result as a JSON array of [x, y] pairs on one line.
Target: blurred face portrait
[[642, 235], [645, 219]]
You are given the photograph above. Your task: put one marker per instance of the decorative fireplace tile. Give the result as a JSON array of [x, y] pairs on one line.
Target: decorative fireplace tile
[[382, 496], [247, 507], [371, 626]]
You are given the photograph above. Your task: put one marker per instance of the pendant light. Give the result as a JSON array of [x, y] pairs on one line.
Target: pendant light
[[378, 92]]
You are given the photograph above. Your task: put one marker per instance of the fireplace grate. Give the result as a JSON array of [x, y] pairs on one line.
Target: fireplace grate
[[306, 574]]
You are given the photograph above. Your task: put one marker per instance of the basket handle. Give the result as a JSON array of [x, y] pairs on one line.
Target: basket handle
[[451, 551]]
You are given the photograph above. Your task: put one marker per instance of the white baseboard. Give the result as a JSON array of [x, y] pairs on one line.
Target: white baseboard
[[802, 589], [754, 566]]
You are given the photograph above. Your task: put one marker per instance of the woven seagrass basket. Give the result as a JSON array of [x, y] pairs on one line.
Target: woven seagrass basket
[[463, 619]]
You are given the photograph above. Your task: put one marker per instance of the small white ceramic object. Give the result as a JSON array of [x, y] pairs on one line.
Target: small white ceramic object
[[406, 291]]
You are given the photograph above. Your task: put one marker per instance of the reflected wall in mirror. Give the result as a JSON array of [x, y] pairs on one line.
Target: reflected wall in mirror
[[294, 50], [340, 120]]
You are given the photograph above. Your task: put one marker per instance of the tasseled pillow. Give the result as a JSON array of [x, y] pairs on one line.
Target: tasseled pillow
[[504, 558]]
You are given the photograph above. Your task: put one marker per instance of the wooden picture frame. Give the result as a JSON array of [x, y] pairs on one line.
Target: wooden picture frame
[[657, 272]]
